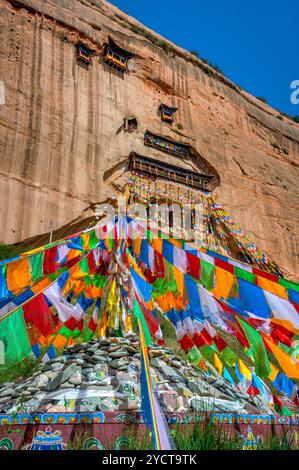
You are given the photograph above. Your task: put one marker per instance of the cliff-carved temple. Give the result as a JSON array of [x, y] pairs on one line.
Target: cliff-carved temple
[[88, 94]]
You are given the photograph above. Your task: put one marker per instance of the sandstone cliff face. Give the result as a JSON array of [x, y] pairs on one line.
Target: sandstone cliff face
[[61, 133]]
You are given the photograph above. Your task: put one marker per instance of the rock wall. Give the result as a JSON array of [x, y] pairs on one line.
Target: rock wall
[[61, 124]]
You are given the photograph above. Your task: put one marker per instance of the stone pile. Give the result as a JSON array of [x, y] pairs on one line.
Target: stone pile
[[103, 375]]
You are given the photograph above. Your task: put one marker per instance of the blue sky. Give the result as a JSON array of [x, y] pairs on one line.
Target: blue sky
[[255, 42]]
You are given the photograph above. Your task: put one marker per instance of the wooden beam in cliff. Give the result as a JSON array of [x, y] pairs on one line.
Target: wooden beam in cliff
[[85, 53], [167, 113], [166, 145], [115, 56], [157, 169]]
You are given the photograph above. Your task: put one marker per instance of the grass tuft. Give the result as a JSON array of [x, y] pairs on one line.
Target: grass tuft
[[17, 371]]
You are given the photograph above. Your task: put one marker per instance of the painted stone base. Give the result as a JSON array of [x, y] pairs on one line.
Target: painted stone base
[[99, 431]]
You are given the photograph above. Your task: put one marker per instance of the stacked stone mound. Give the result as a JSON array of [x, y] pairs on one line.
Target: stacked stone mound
[[104, 375]]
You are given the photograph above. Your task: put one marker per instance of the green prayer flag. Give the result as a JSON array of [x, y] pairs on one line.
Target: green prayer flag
[[100, 281], [261, 361], [257, 349], [229, 356], [138, 315], [283, 411], [285, 348], [214, 347], [149, 236], [93, 240], [76, 333], [243, 274], [88, 334], [159, 287], [14, 340], [84, 266], [207, 274], [194, 355], [289, 284], [207, 352], [169, 276], [36, 265], [253, 336], [66, 332]]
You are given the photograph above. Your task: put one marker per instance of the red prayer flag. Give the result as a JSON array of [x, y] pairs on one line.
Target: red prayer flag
[[186, 343], [193, 265], [264, 274], [38, 313], [224, 265], [220, 343], [49, 265]]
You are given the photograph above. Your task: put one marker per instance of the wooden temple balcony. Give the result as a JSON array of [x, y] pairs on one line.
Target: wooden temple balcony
[[85, 53], [166, 145], [156, 169], [167, 113], [115, 56]]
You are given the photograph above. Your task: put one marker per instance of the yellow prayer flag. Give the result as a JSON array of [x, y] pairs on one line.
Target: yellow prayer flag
[[175, 242], [103, 326], [129, 327], [274, 372], [60, 341], [288, 365], [18, 275], [272, 287], [150, 305], [137, 245], [224, 283], [32, 252], [73, 254], [201, 364], [85, 240], [157, 244], [41, 285], [218, 364], [179, 279], [244, 370]]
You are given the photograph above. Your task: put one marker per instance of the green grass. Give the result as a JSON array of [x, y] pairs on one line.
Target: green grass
[[140, 441], [205, 436], [152, 38], [262, 98], [16, 371], [201, 436], [170, 337], [9, 251], [78, 439]]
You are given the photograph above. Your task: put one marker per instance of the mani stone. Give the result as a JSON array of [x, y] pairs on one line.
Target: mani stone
[[117, 363], [76, 378], [4, 399], [6, 393], [176, 364], [40, 381], [57, 366], [171, 373], [119, 353], [99, 352], [61, 377], [157, 363], [66, 386], [130, 404], [219, 382], [33, 389]]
